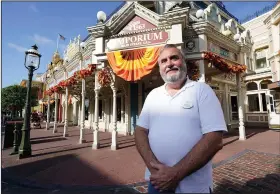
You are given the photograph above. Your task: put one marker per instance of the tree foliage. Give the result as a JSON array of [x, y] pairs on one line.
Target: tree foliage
[[13, 98]]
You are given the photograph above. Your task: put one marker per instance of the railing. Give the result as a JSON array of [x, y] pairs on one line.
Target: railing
[[258, 13], [257, 117]]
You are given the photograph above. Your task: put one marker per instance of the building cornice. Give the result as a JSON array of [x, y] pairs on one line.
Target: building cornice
[[204, 27]]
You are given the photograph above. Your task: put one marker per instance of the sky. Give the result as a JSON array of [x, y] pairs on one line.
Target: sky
[[27, 23]]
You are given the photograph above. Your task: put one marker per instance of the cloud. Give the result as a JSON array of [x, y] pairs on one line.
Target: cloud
[[33, 8], [41, 40], [17, 47]]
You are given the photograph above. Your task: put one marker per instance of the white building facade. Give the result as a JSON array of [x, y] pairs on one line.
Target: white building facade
[[262, 96]]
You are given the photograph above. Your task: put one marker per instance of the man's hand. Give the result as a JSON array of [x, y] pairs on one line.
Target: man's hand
[[164, 178]]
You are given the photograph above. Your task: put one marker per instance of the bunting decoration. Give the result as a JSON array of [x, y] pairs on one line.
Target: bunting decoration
[[132, 65], [219, 63]]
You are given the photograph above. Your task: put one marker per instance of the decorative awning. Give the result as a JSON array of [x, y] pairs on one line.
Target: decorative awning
[[132, 65]]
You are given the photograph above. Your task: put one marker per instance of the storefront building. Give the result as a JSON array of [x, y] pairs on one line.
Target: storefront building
[[262, 96], [101, 82]]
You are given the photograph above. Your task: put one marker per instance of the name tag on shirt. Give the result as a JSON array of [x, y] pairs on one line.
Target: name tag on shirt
[[188, 105]]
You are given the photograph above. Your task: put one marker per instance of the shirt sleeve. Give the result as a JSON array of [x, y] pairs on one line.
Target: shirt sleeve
[[144, 118], [210, 110]]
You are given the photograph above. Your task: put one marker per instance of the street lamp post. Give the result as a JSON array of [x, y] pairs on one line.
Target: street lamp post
[[32, 63]]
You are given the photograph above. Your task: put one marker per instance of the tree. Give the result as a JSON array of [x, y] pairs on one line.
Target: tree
[[13, 99]]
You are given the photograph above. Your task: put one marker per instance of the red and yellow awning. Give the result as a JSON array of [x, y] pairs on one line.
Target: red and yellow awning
[[132, 65]]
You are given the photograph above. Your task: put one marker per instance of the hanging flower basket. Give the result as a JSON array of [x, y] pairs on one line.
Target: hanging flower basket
[[104, 77], [219, 63]]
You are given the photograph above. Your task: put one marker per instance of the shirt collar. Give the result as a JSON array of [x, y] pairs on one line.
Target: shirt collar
[[189, 83]]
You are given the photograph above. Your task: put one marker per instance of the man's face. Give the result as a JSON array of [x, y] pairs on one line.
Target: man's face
[[171, 66]]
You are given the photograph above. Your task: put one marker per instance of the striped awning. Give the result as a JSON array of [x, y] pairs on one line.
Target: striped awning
[[132, 65]]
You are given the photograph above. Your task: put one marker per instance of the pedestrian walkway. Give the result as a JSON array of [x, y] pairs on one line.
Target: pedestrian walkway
[[61, 164]]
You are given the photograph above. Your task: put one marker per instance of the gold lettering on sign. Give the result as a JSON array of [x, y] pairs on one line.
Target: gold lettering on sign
[[142, 39]]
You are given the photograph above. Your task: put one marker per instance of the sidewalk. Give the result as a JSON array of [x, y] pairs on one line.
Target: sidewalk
[[62, 164]]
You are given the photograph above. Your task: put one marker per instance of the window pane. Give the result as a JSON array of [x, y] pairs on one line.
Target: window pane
[[260, 63], [264, 102], [252, 86], [271, 104], [277, 106], [253, 100]]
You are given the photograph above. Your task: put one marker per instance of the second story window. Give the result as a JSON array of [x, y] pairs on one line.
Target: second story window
[[261, 61]]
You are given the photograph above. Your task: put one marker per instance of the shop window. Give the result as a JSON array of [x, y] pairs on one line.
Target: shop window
[[86, 108], [264, 102], [252, 86], [253, 102], [260, 63], [100, 109]]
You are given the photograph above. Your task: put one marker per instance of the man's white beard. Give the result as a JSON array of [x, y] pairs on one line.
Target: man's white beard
[[180, 75]]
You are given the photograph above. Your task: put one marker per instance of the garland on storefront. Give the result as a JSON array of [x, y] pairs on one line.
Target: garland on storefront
[[104, 77], [193, 70], [78, 76], [219, 63]]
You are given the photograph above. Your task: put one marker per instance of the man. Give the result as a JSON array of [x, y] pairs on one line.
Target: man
[[179, 129]]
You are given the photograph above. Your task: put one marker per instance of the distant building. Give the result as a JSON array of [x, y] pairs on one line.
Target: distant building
[[38, 87]]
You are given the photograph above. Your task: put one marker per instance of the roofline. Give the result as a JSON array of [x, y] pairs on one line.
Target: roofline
[[256, 18]]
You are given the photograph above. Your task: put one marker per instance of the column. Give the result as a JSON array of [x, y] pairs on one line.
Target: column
[[75, 113], [140, 98], [48, 114], [202, 40], [127, 114], [242, 134], [79, 112], [260, 96], [65, 131], [82, 126], [55, 114], [95, 144], [122, 110], [226, 104], [260, 102], [63, 112], [114, 145]]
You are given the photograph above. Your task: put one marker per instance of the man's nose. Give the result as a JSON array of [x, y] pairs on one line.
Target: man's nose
[[169, 64]]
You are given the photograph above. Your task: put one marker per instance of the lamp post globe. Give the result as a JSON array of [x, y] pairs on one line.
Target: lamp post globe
[[32, 63], [101, 16]]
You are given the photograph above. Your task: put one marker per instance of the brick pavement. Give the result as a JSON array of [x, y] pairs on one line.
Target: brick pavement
[[246, 172], [55, 157]]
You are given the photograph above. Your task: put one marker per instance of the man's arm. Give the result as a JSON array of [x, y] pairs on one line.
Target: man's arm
[[200, 154], [143, 147]]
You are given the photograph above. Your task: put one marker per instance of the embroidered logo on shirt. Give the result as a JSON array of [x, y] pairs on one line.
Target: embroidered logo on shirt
[[187, 105]]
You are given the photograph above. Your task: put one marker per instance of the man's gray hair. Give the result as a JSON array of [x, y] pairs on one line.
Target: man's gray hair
[[173, 46]]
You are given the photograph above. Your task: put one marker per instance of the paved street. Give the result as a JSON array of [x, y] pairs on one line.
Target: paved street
[[61, 165]]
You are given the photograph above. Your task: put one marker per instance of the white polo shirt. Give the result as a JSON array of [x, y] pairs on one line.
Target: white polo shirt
[[176, 123]]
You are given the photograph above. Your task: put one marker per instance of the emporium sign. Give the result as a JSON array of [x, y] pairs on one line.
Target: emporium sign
[[134, 35], [157, 37]]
